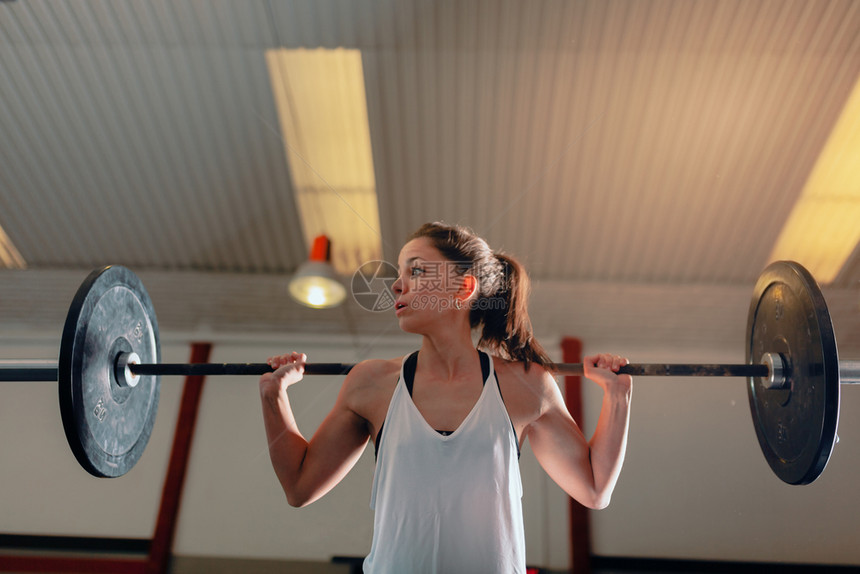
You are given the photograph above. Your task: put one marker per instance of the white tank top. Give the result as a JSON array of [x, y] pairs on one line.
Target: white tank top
[[447, 504]]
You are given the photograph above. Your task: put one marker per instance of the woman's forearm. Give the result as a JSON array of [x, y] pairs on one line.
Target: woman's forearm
[[609, 442], [287, 446]]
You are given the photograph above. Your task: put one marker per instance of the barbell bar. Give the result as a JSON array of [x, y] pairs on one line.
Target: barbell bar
[[46, 370], [109, 372], [35, 370]]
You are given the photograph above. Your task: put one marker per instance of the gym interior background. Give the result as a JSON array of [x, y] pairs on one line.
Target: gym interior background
[[645, 159]]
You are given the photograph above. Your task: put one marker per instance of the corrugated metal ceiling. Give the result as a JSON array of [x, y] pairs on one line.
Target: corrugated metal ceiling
[[652, 141]]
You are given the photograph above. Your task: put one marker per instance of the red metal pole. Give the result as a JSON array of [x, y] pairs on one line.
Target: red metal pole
[[165, 526], [580, 526]]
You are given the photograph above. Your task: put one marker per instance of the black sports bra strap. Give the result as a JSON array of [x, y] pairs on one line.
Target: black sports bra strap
[[409, 367], [485, 365]]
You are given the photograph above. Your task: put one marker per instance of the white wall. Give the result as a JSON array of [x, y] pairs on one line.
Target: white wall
[[695, 484]]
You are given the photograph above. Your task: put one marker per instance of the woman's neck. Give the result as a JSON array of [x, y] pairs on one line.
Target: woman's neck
[[448, 355]]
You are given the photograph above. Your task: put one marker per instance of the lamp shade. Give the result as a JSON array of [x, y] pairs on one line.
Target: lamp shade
[[315, 283]]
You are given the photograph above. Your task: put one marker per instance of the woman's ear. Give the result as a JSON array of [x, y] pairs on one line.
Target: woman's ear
[[468, 288]]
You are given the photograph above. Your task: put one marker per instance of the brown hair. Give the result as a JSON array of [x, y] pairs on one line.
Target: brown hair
[[501, 309]]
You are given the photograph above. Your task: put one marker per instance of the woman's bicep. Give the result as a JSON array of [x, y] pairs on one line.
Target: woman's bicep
[[563, 452], [332, 451]]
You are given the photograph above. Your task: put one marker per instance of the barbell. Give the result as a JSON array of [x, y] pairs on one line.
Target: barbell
[[109, 372]]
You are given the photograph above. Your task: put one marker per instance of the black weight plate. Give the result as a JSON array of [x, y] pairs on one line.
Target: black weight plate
[[795, 425], [107, 424]]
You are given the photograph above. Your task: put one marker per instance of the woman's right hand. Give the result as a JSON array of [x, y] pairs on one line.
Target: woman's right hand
[[603, 370], [288, 371]]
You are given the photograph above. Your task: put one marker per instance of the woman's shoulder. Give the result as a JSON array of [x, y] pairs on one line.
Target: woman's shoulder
[[371, 370], [369, 387], [533, 374], [373, 379], [530, 386]]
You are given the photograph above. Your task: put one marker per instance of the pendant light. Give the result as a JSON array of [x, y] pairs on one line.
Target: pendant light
[[315, 283]]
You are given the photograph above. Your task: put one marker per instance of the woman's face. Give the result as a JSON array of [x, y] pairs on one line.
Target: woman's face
[[426, 286]]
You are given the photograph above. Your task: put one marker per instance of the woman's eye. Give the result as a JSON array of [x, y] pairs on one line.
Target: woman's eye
[[416, 271]]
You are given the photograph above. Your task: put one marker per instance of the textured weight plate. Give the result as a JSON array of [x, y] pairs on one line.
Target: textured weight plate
[[108, 424], [795, 425]]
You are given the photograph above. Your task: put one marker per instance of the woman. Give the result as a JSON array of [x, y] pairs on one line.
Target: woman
[[448, 421]]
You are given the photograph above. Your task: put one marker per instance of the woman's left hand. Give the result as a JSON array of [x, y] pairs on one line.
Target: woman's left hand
[[603, 370]]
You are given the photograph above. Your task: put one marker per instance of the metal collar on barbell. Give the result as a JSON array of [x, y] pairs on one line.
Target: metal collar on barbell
[[123, 373], [776, 370]]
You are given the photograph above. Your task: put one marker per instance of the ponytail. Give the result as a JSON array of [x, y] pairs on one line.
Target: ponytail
[[506, 326]]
